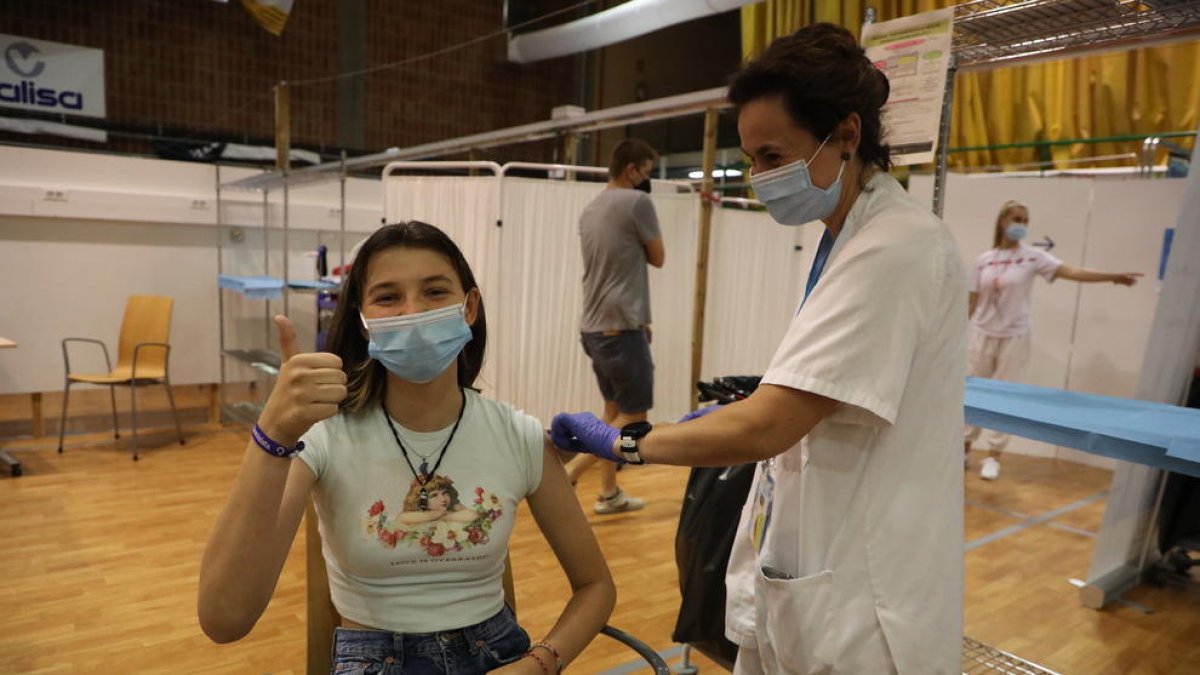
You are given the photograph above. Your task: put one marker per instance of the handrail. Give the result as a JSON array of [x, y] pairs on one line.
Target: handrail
[[421, 165], [1072, 141], [552, 167]]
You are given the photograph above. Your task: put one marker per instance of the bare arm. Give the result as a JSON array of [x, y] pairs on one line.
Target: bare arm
[[593, 594], [656, 254], [764, 425], [1086, 276], [249, 543], [250, 539]]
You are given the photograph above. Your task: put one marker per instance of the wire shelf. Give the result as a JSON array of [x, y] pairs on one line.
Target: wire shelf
[[996, 31], [980, 658]]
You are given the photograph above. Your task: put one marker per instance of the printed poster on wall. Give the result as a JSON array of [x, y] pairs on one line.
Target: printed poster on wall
[[914, 53], [51, 77]]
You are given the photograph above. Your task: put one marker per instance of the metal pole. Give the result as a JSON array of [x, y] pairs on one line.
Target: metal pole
[[220, 292], [939, 176], [342, 218], [702, 245], [283, 149]]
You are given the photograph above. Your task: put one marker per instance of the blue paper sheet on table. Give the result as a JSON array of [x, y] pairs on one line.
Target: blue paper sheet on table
[[1155, 434], [255, 288], [313, 284]]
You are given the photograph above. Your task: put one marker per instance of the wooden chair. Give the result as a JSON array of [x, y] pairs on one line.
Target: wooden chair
[[142, 358], [323, 617]]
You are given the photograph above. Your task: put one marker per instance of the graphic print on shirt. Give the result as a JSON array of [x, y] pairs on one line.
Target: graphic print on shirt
[[440, 525]]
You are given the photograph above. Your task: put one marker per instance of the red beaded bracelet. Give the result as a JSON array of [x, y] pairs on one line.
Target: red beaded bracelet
[[553, 652], [541, 664]]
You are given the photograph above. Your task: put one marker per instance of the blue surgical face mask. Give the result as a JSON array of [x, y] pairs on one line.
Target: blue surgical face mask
[[789, 193], [418, 347], [1016, 231]]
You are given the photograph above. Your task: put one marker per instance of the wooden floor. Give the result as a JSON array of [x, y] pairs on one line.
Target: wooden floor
[[100, 555]]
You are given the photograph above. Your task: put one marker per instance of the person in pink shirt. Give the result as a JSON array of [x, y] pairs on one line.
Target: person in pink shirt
[[1000, 284]]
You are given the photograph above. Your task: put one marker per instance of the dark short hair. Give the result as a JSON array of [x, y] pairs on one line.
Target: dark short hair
[[366, 376], [630, 151], [823, 75]]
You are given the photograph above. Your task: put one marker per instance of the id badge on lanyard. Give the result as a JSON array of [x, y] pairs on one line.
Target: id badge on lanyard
[[764, 494]]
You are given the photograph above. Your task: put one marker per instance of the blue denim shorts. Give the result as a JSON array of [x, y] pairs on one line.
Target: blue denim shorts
[[474, 649], [624, 368]]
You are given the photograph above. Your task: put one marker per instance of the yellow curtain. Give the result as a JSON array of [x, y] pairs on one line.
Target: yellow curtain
[[1136, 92]]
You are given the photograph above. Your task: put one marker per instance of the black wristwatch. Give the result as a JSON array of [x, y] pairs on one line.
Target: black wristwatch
[[630, 435]]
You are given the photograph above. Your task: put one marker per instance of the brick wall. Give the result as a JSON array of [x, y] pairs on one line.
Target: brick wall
[[207, 68]]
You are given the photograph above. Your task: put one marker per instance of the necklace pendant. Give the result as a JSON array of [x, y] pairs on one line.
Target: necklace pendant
[[423, 499], [424, 470]]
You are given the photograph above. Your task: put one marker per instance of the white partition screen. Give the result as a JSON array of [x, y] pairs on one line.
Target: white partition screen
[[530, 271]]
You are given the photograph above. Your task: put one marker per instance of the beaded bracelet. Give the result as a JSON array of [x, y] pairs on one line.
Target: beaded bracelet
[[541, 664], [553, 652]]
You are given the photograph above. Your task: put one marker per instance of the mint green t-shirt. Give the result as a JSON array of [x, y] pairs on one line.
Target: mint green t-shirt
[[395, 566]]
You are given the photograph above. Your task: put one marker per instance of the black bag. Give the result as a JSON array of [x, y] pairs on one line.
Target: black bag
[[708, 522]]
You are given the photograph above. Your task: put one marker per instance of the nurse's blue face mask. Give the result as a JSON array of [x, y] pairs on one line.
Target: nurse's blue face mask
[[790, 196], [418, 347]]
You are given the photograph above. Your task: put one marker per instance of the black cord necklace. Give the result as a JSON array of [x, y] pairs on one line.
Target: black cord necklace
[[425, 474]]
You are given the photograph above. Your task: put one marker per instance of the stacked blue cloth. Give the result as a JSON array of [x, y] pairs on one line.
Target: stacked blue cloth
[[255, 288]]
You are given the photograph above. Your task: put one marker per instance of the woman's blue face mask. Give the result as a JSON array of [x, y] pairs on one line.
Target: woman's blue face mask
[[418, 347], [790, 196], [1016, 231]]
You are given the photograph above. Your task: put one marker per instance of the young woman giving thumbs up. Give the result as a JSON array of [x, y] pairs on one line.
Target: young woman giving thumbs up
[[415, 476]]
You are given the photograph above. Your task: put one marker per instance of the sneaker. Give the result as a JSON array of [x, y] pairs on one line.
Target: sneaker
[[990, 470], [618, 503]]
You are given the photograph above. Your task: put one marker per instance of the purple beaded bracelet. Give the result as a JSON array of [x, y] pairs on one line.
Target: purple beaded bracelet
[[271, 447]]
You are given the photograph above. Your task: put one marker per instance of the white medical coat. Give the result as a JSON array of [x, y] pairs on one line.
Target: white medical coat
[[864, 547]]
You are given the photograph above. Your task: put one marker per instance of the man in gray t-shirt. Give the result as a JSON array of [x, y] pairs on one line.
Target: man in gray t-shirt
[[619, 236]]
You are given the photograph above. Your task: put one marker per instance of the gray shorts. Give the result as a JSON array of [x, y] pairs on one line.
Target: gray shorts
[[624, 368]]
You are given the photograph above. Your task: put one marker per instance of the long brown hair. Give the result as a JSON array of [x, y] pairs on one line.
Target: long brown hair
[[998, 235], [366, 376]]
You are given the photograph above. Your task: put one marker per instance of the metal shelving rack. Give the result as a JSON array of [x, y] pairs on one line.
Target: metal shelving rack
[[989, 33], [263, 359], [993, 33]]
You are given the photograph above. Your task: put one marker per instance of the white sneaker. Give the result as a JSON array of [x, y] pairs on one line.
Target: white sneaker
[[990, 470], [618, 503]]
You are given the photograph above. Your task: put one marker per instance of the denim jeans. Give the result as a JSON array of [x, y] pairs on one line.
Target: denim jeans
[[474, 649]]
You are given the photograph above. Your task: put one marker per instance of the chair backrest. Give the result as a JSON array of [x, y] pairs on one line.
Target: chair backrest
[[147, 319]]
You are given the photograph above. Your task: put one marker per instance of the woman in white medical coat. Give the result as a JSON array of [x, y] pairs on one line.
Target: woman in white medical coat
[[1000, 286], [849, 554]]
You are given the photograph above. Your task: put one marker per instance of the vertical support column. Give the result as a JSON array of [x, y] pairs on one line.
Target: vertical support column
[[342, 216], [570, 152], [220, 391], [702, 245], [283, 149], [939, 176]]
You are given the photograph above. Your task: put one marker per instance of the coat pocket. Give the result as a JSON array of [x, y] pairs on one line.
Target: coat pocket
[[793, 620]]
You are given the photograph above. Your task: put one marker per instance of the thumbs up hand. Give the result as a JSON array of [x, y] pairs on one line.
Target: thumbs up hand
[[309, 389]]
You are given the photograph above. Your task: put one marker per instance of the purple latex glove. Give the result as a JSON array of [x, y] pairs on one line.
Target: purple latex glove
[[584, 432], [701, 412]]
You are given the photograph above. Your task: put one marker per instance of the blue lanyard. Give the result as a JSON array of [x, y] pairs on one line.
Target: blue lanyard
[[818, 265]]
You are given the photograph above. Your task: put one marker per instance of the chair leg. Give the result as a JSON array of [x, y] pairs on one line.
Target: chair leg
[[133, 407], [62, 422], [171, 398], [112, 393]]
